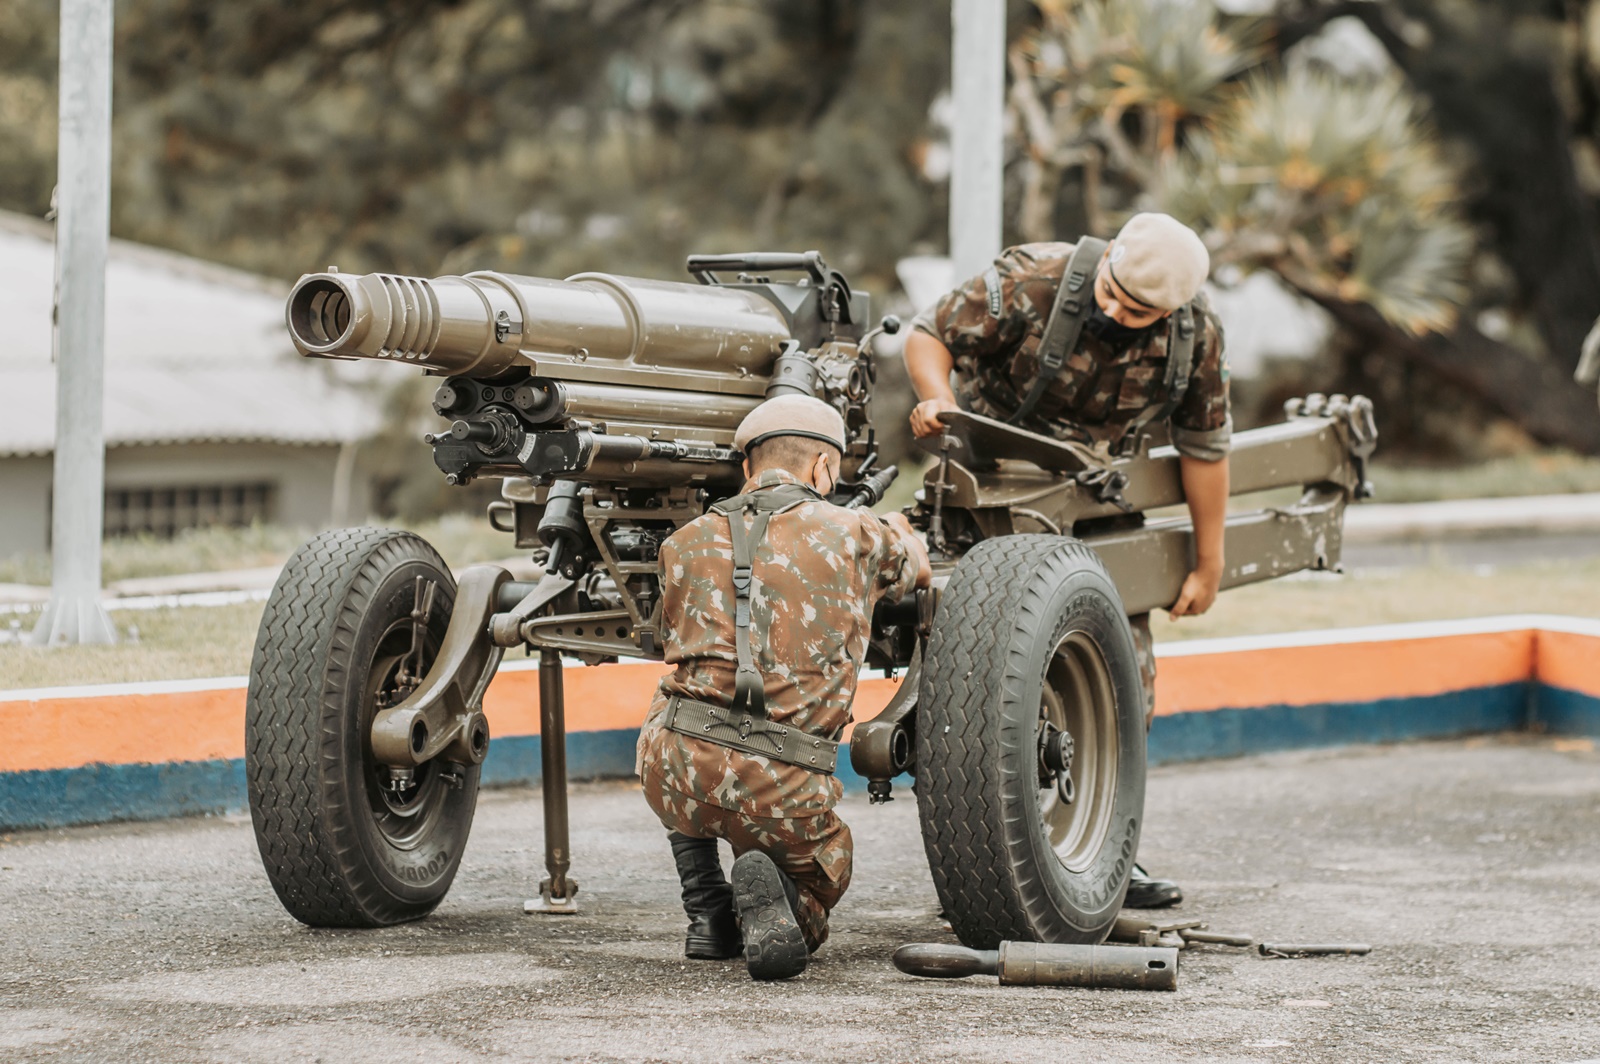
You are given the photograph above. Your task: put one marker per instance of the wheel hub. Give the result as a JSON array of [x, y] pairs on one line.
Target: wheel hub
[[1055, 761], [1077, 750]]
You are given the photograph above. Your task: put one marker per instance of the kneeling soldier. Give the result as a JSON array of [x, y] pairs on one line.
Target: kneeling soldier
[[766, 610]]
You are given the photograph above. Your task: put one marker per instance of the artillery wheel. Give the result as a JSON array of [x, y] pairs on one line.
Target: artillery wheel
[[1030, 632], [343, 845]]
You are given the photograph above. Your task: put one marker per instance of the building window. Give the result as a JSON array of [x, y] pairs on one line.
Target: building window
[[165, 511]]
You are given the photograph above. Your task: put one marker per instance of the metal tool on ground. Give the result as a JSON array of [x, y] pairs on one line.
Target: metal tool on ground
[[1329, 949], [1179, 934], [1046, 964], [1131, 928], [1198, 935]]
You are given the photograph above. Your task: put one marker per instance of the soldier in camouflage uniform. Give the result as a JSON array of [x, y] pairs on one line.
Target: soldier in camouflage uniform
[[1113, 383], [757, 770]]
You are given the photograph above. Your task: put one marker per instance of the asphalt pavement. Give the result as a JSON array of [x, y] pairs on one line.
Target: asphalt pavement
[[1471, 867]]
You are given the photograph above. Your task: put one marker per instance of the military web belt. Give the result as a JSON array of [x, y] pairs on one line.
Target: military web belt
[[750, 734]]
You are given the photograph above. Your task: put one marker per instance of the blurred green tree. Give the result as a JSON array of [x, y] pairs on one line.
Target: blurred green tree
[[548, 136], [1514, 87], [1337, 187]]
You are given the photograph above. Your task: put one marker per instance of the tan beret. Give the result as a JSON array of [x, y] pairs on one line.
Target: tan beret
[[790, 415], [1159, 260]]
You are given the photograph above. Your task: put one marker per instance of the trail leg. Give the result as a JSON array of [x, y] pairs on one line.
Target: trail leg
[[556, 892]]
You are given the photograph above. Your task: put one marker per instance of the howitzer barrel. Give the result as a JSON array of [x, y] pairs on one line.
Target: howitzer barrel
[[591, 327]]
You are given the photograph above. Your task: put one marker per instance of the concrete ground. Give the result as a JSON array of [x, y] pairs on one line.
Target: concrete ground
[[1471, 867]]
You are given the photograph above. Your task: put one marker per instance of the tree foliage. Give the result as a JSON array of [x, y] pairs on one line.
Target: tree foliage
[[1337, 186], [1513, 86], [1108, 89], [542, 135]]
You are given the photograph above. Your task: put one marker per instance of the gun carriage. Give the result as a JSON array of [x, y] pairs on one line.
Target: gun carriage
[[607, 406]]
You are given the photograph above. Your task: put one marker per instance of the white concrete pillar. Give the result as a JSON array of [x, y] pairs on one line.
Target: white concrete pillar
[[977, 133], [83, 225]]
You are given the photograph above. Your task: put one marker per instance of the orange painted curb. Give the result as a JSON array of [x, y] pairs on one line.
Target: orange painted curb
[[1342, 672], [172, 726], [599, 698], [1568, 660], [205, 725]]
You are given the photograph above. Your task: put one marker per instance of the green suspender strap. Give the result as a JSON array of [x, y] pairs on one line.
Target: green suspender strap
[[749, 693], [1180, 364], [1073, 299]]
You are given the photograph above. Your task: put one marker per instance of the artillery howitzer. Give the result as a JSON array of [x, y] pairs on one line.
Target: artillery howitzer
[[607, 407]]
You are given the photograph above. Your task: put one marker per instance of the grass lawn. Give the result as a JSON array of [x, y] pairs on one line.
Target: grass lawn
[[216, 641], [1435, 593], [173, 644]]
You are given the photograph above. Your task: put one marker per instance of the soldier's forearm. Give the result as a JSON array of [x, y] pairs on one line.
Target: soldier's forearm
[[928, 364], [1205, 487]]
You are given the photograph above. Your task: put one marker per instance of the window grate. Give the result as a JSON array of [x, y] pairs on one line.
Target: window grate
[[166, 511]]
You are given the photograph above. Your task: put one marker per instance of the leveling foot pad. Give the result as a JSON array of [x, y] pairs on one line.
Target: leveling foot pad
[[774, 948], [548, 903], [1047, 964]]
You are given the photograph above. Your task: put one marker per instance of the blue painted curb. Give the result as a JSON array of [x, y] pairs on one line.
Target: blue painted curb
[[1559, 711], [1239, 732], [93, 794]]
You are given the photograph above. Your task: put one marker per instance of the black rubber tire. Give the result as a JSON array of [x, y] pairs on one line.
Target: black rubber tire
[[1009, 605], [335, 854]]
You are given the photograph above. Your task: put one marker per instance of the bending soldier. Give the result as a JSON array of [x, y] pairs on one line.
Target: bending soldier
[[1096, 342], [766, 611]]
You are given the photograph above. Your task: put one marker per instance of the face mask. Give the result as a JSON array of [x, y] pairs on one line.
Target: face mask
[[1102, 325], [824, 482]]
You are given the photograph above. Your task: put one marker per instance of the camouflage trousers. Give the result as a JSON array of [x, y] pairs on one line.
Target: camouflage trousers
[[814, 851], [1144, 645]]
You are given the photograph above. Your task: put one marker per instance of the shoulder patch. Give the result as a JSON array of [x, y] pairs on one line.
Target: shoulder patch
[[991, 284]]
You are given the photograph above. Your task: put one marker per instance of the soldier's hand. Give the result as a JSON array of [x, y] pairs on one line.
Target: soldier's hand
[[914, 545], [925, 416], [1199, 592]]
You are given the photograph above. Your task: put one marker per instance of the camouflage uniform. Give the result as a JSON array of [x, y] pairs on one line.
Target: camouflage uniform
[[1101, 391], [818, 574]]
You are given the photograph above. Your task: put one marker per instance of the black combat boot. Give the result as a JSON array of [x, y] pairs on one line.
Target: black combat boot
[[1147, 893], [774, 948], [707, 900]]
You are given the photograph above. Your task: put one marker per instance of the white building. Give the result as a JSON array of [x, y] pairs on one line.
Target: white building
[[210, 415]]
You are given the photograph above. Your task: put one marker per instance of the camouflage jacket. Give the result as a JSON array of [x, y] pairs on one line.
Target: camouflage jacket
[[1100, 391], [816, 577]]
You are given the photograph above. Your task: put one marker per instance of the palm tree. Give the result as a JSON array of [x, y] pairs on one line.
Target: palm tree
[[1335, 185], [1113, 88], [1338, 186]]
